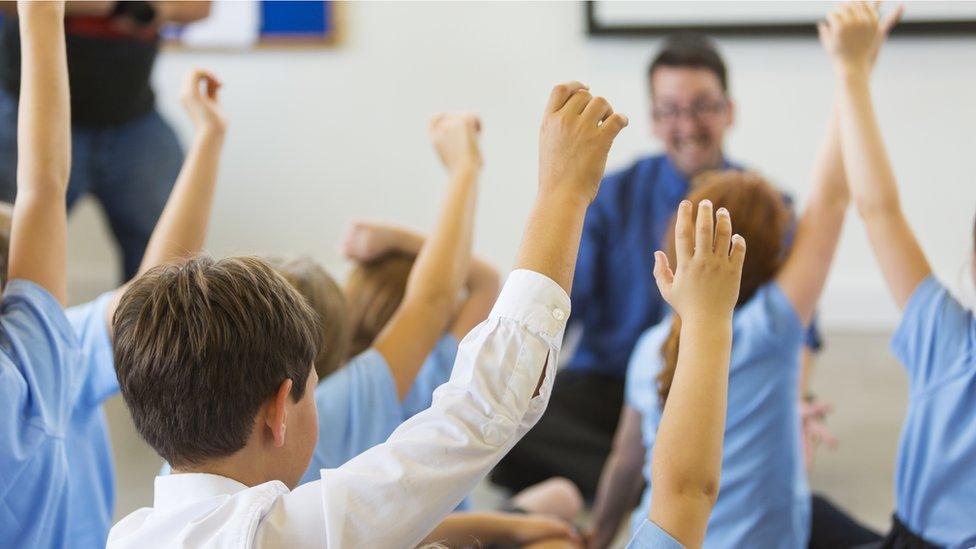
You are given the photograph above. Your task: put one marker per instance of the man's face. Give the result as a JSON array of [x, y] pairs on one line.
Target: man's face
[[690, 114]]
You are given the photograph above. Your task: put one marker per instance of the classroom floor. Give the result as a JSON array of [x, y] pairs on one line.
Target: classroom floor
[[856, 372]]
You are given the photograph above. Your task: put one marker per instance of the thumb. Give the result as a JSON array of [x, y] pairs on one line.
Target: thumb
[[663, 274], [889, 21]]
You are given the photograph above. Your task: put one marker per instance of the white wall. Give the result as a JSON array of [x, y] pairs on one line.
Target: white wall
[[321, 136]]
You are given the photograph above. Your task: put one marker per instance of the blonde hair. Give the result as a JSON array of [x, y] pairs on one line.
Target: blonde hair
[[326, 298], [374, 292]]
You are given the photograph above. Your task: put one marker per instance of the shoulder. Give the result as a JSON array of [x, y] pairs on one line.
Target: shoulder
[[30, 311]]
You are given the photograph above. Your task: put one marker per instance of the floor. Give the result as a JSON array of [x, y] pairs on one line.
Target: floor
[[856, 372]]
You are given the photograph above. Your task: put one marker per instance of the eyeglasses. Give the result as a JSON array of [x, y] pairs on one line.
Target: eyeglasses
[[698, 111]]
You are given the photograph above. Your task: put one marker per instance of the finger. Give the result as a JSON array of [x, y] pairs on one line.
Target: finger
[[191, 83], [684, 234], [822, 32], [835, 21], [578, 102], [738, 254], [614, 124], [891, 19], [561, 93], [723, 232], [704, 228], [663, 274], [597, 110]]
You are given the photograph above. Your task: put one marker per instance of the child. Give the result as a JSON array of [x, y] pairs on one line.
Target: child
[[935, 477], [215, 362], [764, 499], [179, 232], [687, 460], [39, 352]]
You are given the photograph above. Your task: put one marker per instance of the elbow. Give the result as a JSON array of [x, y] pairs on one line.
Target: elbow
[[689, 485]]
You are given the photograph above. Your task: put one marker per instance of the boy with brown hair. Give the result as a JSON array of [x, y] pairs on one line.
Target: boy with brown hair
[[215, 362]]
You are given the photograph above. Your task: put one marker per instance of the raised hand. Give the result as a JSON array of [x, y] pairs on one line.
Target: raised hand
[[705, 282], [455, 137], [577, 131], [199, 98], [852, 35], [365, 242]]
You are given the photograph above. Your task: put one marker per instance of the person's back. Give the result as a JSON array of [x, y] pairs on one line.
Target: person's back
[[764, 498]]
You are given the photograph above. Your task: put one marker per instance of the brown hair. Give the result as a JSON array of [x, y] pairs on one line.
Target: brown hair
[[760, 215], [329, 303], [374, 291], [201, 345], [690, 51]]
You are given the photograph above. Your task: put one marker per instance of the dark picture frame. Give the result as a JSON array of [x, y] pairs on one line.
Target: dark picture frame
[[596, 28]]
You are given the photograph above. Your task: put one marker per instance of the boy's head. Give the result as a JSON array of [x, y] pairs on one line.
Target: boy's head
[[374, 292], [329, 303], [214, 359], [6, 220]]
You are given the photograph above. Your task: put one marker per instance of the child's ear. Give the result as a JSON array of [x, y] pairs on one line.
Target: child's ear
[[277, 413]]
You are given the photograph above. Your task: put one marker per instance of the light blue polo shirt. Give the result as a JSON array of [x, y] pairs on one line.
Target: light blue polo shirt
[[764, 500], [91, 492], [358, 405], [39, 383], [652, 536], [935, 478]]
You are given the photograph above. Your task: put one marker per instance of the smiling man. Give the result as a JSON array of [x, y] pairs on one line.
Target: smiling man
[[614, 296]]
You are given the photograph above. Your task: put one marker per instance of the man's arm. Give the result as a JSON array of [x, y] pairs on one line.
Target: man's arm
[[869, 172], [182, 227], [442, 264], [38, 240]]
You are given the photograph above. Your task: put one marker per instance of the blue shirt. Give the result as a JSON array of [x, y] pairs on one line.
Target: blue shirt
[[763, 500], [652, 536], [39, 384], [935, 477], [358, 405], [91, 492], [614, 294]]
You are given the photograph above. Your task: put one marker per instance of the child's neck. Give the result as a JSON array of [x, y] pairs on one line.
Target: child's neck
[[243, 466]]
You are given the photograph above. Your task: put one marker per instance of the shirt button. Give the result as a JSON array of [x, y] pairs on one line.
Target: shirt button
[[559, 314]]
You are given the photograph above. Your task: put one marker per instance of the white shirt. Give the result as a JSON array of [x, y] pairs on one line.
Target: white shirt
[[394, 494]]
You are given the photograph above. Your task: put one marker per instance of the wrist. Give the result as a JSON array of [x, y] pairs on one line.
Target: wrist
[[559, 196], [852, 72], [46, 10], [211, 132], [467, 169]]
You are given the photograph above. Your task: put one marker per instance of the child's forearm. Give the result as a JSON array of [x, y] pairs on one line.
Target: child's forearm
[[182, 227], [552, 236], [38, 241], [442, 262], [687, 456]]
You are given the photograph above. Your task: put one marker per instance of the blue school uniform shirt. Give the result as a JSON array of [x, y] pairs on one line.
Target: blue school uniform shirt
[[91, 492], [358, 405], [763, 500], [652, 536], [935, 477], [614, 294], [39, 383]]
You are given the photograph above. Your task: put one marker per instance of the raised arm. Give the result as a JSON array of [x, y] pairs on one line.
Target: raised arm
[[620, 481], [38, 240], [846, 37], [182, 227], [366, 242], [576, 135], [687, 461], [442, 264]]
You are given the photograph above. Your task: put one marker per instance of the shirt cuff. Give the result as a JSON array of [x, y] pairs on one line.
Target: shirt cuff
[[652, 536], [536, 301]]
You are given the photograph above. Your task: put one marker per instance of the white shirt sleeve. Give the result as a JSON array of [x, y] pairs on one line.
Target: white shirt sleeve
[[394, 494]]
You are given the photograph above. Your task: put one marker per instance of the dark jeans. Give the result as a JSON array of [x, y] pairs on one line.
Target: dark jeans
[[129, 168], [572, 439], [833, 528]]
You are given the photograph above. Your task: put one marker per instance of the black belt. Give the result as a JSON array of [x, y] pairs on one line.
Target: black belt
[[900, 537]]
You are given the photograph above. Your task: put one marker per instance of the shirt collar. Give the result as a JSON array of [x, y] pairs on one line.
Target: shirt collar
[[180, 489]]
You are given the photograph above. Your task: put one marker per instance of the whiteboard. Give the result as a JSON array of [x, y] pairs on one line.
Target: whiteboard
[[730, 17]]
